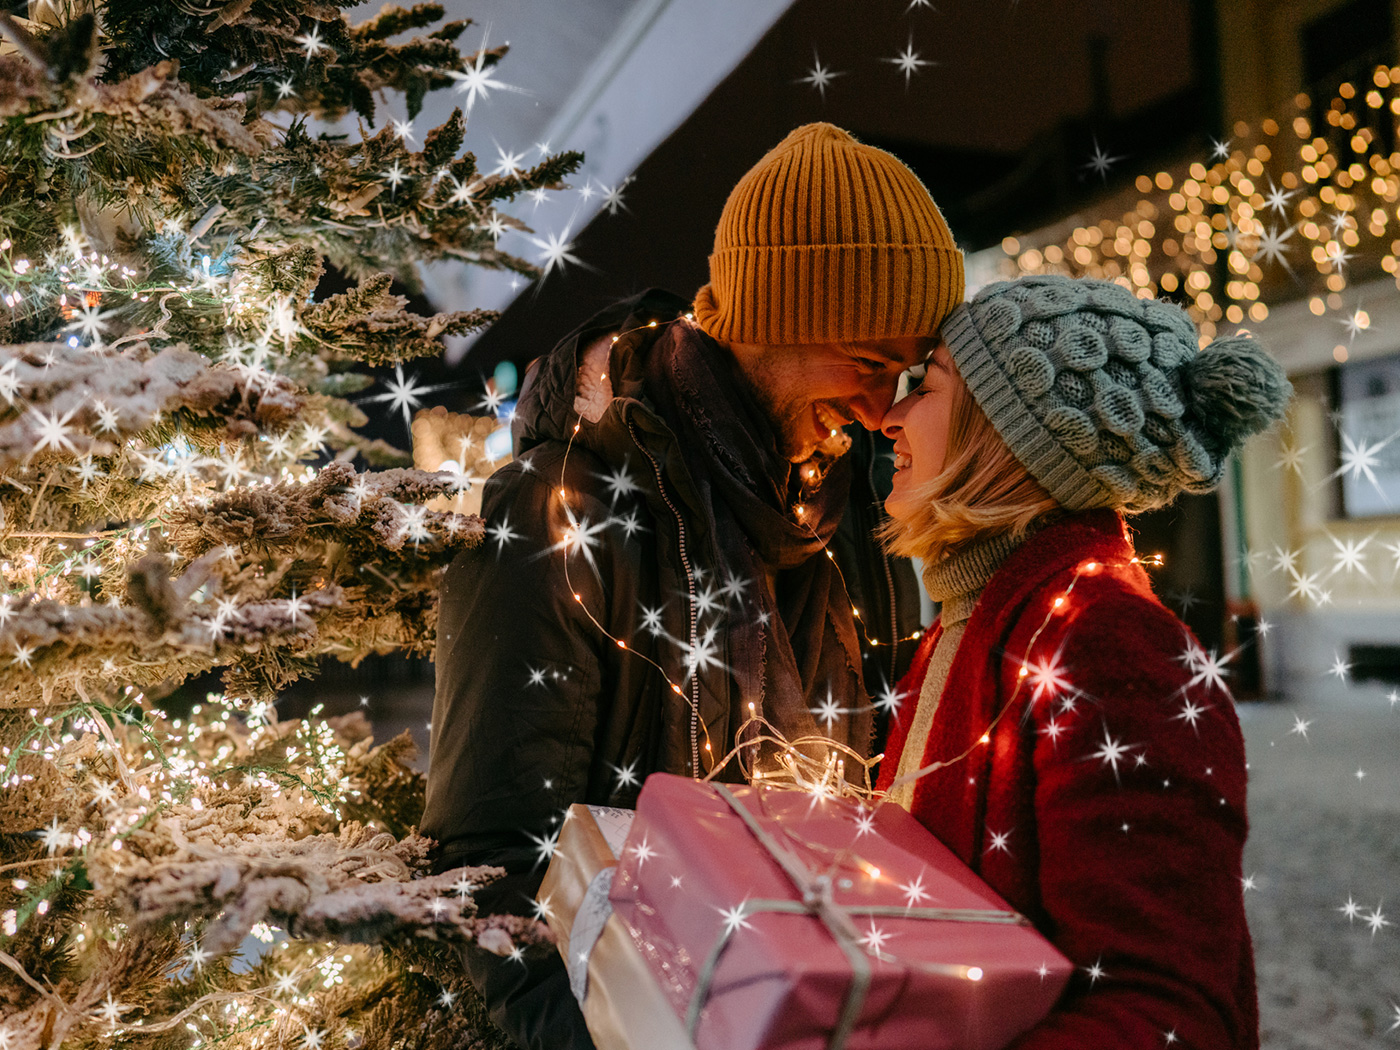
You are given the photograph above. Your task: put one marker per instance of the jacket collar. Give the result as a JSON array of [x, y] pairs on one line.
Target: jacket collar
[[545, 411], [1086, 536]]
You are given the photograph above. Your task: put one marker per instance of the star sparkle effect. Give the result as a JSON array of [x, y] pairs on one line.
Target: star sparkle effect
[[874, 940], [1273, 246], [1349, 555], [819, 76], [1277, 198], [555, 252], [909, 62], [613, 197], [736, 918], [1112, 751], [476, 81], [1361, 458], [1101, 162], [404, 394], [312, 43], [1355, 323], [829, 711], [1291, 459]]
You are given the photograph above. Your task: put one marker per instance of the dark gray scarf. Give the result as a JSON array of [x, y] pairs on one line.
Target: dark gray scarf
[[789, 652]]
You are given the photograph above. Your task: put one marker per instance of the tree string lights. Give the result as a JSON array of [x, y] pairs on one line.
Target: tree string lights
[[177, 494]]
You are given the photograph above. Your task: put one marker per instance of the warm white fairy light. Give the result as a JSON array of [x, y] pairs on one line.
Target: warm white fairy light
[[1256, 206]]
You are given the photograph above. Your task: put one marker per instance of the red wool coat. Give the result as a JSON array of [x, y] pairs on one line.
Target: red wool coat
[[1108, 805]]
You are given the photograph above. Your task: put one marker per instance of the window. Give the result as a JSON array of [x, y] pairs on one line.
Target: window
[[1369, 402]]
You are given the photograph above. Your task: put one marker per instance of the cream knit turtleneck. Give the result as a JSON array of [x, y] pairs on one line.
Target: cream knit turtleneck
[[956, 583]]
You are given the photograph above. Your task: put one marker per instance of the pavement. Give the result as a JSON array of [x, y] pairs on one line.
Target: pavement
[[1325, 831]]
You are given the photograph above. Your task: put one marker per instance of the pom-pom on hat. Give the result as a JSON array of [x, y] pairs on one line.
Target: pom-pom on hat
[[828, 240], [1105, 398]]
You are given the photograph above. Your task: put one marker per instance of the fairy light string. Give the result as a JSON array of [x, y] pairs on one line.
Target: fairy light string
[[1225, 233], [621, 643]]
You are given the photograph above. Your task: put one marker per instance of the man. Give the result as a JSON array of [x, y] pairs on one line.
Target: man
[[657, 563]]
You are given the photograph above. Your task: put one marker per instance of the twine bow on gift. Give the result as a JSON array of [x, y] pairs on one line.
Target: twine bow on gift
[[815, 899]]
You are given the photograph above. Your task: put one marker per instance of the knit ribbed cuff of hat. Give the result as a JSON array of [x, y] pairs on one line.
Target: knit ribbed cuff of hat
[[791, 294], [1038, 450]]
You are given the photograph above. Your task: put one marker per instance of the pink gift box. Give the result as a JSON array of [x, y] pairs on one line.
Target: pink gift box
[[768, 916]]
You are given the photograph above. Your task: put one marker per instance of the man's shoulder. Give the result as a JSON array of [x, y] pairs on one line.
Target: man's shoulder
[[546, 469]]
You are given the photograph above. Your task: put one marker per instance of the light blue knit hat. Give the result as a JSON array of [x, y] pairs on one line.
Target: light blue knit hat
[[1104, 397]]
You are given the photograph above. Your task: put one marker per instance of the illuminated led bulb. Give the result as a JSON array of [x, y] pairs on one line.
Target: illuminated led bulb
[[621, 644], [974, 973], [1059, 601]]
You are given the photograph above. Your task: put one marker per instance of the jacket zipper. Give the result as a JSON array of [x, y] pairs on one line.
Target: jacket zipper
[[889, 584], [894, 616], [894, 602], [694, 625]]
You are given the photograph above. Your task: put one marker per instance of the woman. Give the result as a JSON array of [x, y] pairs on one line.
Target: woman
[[1086, 758]]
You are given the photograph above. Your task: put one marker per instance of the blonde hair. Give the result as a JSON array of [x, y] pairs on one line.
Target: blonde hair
[[982, 491]]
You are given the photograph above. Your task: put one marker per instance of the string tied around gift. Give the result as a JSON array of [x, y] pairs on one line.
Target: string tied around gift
[[815, 898]]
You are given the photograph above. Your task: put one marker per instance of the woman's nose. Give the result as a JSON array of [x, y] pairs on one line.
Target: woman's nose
[[893, 423]]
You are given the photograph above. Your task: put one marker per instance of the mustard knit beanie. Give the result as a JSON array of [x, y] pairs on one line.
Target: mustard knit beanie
[[828, 240]]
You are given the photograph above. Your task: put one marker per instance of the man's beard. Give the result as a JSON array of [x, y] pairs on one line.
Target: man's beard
[[787, 420], [790, 420], [784, 418]]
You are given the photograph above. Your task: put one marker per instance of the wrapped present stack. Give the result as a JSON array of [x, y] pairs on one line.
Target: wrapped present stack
[[766, 918], [621, 1000]]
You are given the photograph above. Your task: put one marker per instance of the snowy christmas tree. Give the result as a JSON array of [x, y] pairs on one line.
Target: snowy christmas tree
[[183, 489]]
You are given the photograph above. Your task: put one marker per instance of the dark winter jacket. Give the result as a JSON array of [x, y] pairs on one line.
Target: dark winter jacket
[[1107, 804], [537, 704]]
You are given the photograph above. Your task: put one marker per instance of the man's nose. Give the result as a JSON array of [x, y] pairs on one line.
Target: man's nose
[[871, 405]]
